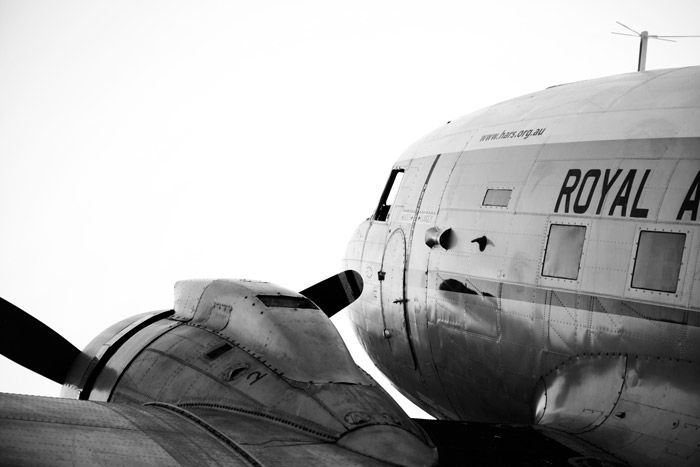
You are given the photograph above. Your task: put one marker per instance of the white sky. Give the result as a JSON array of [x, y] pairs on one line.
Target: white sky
[[143, 142]]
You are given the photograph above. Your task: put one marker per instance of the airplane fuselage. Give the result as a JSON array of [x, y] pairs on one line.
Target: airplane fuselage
[[540, 264], [536, 263]]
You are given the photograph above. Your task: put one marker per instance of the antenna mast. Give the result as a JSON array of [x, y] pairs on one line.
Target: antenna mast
[[643, 40]]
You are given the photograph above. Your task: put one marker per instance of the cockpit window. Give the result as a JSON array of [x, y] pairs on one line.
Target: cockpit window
[[389, 195], [658, 261]]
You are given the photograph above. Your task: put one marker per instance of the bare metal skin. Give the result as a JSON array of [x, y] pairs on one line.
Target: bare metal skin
[[568, 294], [534, 284], [239, 373]]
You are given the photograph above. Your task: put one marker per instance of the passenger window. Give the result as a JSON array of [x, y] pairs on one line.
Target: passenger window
[[562, 257], [658, 261], [389, 195], [497, 197]]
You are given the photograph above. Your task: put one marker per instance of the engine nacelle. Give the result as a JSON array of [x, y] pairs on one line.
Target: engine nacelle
[[254, 348], [95, 370]]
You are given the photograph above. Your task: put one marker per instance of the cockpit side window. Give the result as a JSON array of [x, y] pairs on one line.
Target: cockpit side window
[[388, 195]]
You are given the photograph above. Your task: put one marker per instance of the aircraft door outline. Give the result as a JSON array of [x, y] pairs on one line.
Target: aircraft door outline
[[393, 299]]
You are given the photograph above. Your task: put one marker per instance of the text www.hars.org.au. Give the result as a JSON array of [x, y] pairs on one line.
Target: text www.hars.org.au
[[524, 134]]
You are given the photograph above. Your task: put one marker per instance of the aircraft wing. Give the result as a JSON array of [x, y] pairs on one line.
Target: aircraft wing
[[55, 431], [237, 373]]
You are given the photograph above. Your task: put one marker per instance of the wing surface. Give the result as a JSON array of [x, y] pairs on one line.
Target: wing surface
[[238, 373], [38, 430]]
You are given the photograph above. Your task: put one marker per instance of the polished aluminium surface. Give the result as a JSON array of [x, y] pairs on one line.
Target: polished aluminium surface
[[238, 373], [69, 432], [495, 334], [459, 309]]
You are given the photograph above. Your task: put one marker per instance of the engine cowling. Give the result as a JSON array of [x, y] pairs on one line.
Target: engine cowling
[[250, 347]]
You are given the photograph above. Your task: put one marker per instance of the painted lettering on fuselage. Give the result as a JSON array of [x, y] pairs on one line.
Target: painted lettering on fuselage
[[691, 200], [578, 191]]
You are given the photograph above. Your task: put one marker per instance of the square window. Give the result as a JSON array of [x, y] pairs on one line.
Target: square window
[[497, 197], [658, 261], [562, 257]]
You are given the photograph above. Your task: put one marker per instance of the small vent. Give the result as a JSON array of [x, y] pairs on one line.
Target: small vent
[[234, 372], [284, 301], [218, 351]]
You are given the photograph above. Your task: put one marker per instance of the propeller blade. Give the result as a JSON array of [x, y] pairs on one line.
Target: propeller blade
[[662, 39], [336, 292], [29, 342], [627, 27], [623, 34], [675, 36]]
